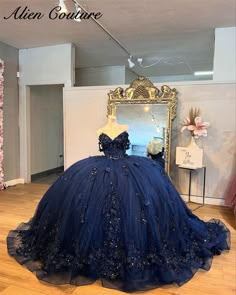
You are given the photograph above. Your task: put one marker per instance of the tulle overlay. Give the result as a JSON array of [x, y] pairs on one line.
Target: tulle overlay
[[116, 218]]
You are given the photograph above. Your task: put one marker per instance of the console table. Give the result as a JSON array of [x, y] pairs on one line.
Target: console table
[[191, 169]]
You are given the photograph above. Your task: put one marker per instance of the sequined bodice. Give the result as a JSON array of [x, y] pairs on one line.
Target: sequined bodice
[[114, 148]]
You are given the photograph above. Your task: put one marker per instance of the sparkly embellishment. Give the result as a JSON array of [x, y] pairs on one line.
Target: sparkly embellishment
[[125, 169], [114, 149], [121, 232], [93, 174], [146, 203]]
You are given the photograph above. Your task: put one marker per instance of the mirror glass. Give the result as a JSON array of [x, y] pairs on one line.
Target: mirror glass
[[149, 112], [145, 122]]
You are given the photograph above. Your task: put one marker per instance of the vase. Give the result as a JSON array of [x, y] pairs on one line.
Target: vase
[[190, 156], [192, 144]]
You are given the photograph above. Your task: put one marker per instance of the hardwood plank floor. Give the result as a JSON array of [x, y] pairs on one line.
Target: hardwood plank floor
[[18, 203]]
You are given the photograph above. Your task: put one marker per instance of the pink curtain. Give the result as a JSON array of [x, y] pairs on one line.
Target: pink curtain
[[1, 124], [230, 195]]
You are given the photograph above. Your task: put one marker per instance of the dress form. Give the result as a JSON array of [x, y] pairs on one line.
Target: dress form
[[112, 128]]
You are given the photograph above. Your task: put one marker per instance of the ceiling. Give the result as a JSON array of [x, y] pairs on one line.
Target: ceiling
[[179, 33]]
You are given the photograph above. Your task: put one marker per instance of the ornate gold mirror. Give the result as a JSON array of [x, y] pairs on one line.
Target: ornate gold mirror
[[148, 111]]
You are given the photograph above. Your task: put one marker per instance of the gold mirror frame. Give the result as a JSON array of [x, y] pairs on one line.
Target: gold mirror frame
[[142, 91]]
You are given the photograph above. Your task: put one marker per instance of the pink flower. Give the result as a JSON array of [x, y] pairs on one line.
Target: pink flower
[[185, 124], [200, 128]]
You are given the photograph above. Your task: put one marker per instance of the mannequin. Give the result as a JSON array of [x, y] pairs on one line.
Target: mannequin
[[155, 151], [112, 128]]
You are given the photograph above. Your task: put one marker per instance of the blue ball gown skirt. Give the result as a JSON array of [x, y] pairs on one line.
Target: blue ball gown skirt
[[119, 219]]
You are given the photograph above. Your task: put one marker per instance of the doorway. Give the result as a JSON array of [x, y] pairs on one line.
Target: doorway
[[46, 133]]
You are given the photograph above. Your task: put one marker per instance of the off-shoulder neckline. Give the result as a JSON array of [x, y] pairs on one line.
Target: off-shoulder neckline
[[114, 137]]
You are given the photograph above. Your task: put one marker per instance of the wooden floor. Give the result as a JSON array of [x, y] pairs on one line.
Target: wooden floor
[[18, 203]]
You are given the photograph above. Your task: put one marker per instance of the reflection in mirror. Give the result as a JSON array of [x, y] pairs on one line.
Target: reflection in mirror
[[145, 122], [148, 111]]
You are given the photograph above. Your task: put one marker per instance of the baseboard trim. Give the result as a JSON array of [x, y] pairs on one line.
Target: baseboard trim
[[14, 182], [208, 201]]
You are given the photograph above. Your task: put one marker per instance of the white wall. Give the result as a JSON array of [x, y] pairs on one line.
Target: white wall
[[100, 76], [129, 76], [217, 105], [48, 65], [46, 123], [85, 111], [225, 54]]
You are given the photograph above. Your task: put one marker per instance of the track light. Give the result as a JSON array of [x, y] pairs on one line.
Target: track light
[[131, 63], [78, 11], [63, 6], [139, 60]]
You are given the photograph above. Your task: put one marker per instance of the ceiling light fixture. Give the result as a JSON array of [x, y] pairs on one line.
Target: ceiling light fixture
[[78, 11], [131, 63], [63, 6], [103, 28], [79, 8], [203, 73], [139, 60]]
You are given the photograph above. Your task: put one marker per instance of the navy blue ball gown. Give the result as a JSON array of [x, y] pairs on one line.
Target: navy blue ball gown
[[116, 218]]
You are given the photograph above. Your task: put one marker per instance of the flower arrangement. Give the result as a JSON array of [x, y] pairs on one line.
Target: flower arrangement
[[195, 124]]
